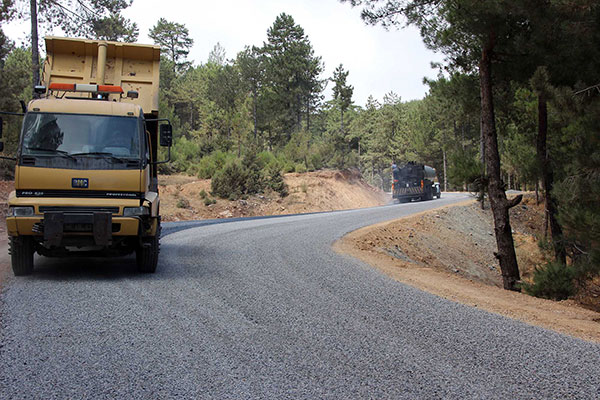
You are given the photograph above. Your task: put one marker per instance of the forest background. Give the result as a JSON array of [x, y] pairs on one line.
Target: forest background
[[520, 79]]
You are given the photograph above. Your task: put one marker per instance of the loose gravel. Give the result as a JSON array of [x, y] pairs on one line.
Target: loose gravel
[[264, 308]]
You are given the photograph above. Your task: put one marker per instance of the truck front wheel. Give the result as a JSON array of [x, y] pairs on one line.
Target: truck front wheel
[[147, 255], [21, 254]]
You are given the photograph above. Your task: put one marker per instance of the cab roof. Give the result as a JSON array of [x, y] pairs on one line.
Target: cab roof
[[84, 106]]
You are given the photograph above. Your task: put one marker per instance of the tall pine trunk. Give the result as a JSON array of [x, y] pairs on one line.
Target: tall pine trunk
[[35, 55], [498, 201], [254, 95], [548, 179], [482, 155], [445, 168]]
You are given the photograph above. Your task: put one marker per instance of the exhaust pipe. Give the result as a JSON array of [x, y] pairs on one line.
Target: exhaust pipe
[[101, 63]]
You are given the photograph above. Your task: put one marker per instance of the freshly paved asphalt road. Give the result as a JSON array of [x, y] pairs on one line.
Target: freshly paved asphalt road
[[264, 308]]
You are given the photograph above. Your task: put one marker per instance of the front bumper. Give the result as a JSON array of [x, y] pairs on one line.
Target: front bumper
[[75, 223], [73, 217]]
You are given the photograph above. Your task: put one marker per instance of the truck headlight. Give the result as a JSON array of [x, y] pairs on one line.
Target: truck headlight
[[135, 211], [20, 211]]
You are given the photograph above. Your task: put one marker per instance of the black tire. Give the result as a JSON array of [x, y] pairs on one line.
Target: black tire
[[147, 255], [21, 254]]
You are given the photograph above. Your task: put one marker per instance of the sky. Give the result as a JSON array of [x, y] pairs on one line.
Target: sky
[[379, 61]]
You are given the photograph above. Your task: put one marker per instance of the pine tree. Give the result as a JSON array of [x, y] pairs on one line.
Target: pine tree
[[173, 39], [342, 92]]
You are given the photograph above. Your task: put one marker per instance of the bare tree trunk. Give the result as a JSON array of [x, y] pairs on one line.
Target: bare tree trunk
[[445, 168], [254, 115], [548, 180], [537, 192], [482, 154], [35, 54], [498, 201], [308, 115]]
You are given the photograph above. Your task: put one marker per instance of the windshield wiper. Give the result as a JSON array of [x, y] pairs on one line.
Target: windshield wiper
[[101, 153], [54, 151]]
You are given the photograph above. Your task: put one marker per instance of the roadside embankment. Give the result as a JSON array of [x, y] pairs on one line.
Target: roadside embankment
[[185, 198], [449, 252]]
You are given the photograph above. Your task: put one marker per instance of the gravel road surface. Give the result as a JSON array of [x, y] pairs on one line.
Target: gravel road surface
[[263, 308]]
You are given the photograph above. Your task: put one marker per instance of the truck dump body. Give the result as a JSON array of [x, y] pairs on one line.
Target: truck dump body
[[130, 66], [414, 181]]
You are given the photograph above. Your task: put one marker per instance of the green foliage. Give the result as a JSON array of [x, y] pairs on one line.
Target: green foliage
[[209, 201], [275, 180], [292, 73], [183, 203], [174, 40], [464, 168], [203, 194], [552, 281], [95, 19], [208, 165], [253, 174], [230, 181], [15, 85], [115, 28]]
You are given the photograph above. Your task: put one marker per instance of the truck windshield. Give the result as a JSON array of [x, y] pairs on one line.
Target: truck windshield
[[76, 134]]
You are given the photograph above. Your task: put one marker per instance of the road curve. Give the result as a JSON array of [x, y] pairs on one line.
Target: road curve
[[263, 308]]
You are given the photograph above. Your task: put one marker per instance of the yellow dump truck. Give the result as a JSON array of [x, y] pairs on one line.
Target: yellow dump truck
[[86, 167]]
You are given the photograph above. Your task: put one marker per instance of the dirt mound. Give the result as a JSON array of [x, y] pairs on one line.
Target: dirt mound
[[183, 198], [449, 252]]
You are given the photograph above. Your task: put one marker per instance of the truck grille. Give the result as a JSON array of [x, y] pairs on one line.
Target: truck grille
[[79, 209]]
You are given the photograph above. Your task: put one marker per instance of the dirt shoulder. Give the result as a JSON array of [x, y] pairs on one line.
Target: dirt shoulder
[[449, 252]]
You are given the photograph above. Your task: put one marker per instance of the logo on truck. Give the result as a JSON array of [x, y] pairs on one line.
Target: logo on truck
[[81, 183]]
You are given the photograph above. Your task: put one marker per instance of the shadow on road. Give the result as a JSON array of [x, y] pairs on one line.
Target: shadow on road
[[188, 265]]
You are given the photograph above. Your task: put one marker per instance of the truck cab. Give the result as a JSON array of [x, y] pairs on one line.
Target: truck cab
[[86, 168]]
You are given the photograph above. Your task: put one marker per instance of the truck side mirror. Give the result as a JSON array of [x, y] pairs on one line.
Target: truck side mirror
[[166, 135]]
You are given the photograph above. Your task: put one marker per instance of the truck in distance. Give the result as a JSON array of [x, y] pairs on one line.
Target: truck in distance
[[86, 166], [413, 181]]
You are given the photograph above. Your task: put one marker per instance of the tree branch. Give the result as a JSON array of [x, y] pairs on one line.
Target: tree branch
[[513, 202]]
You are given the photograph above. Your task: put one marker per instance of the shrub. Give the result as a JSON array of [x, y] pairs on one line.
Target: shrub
[[255, 182], [301, 168], [230, 181], [209, 165], [203, 194], [552, 281], [275, 181], [208, 201], [265, 158], [182, 203]]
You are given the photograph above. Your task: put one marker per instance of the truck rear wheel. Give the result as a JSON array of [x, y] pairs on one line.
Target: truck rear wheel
[[147, 255], [21, 254]]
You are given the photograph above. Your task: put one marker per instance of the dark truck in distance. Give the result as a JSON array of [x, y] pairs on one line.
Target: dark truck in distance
[[414, 181]]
